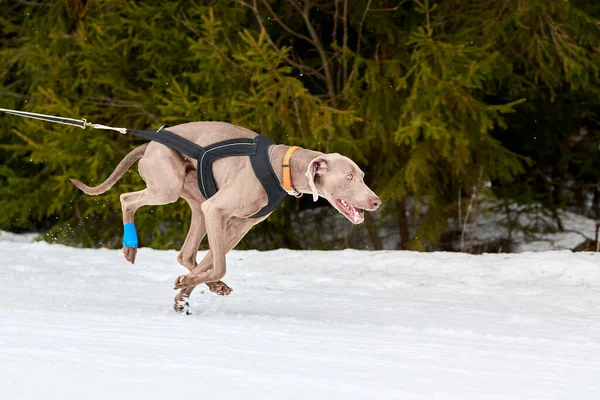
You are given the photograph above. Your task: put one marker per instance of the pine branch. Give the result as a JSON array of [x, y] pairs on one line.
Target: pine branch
[[186, 22], [299, 65], [318, 44], [33, 3], [284, 26], [360, 27]]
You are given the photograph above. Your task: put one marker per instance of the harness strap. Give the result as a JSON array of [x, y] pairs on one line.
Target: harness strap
[[173, 141], [287, 174], [257, 149], [226, 148], [266, 175]]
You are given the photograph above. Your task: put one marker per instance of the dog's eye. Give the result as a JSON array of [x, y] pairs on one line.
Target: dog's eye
[[349, 177]]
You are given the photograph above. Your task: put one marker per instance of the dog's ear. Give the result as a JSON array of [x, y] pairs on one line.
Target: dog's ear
[[316, 167]]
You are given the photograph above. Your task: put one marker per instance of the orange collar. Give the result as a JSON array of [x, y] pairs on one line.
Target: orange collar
[[287, 174]]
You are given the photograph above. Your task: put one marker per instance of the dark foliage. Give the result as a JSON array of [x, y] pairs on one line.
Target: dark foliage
[[436, 100]]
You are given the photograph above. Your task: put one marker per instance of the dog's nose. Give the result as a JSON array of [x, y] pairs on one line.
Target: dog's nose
[[375, 202]]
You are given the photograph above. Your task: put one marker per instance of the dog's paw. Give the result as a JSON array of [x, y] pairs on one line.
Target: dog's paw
[[219, 288], [185, 281], [130, 253], [182, 305]]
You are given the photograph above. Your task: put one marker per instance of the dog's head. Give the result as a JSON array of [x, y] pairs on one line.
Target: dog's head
[[340, 181]]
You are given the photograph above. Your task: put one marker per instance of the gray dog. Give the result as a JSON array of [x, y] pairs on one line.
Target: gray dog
[[230, 213]]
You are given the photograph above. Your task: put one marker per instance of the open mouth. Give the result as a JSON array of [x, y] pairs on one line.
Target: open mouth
[[355, 215]]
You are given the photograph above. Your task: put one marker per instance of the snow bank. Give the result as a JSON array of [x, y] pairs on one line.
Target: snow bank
[[17, 238], [530, 227], [77, 323], [534, 228]]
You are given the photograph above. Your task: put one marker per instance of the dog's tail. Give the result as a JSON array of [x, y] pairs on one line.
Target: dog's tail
[[123, 166]]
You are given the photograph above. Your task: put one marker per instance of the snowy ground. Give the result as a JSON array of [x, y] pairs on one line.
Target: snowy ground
[[83, 324]]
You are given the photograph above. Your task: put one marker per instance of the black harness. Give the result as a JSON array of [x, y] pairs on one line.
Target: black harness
[[257, 149]]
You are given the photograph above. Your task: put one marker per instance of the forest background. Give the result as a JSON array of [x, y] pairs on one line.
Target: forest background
[[453, 108]]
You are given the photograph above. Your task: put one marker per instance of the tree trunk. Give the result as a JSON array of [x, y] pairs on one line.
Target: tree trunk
[[289, 237], [372, 229], [596, 204], [553, 207], [402, 224]]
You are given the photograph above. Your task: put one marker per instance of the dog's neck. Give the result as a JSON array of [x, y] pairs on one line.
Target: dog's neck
[[298, 165]]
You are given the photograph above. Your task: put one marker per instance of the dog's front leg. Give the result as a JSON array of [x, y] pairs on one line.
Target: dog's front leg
[[236, 230], [216, 225]]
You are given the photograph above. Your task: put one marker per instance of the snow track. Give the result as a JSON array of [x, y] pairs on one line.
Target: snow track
[[84, 324]]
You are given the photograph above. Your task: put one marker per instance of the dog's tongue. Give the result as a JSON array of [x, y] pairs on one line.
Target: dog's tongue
[[356, 215], [352, 212]]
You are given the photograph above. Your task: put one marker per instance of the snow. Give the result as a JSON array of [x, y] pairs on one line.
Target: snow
[[84, 324], [21, 238], [534, 228]]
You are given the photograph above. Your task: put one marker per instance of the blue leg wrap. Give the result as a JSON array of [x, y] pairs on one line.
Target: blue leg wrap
[[130, 238]]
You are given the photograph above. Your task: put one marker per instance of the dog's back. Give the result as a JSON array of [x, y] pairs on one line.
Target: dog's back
[[207, 133]]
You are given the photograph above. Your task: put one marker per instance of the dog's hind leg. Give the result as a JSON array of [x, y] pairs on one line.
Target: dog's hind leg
[[187, 257], [197, 231], [164, 172], [191, 194], [130, 202]]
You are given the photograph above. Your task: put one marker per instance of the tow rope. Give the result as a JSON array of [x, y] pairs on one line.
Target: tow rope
[[81, 123]]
